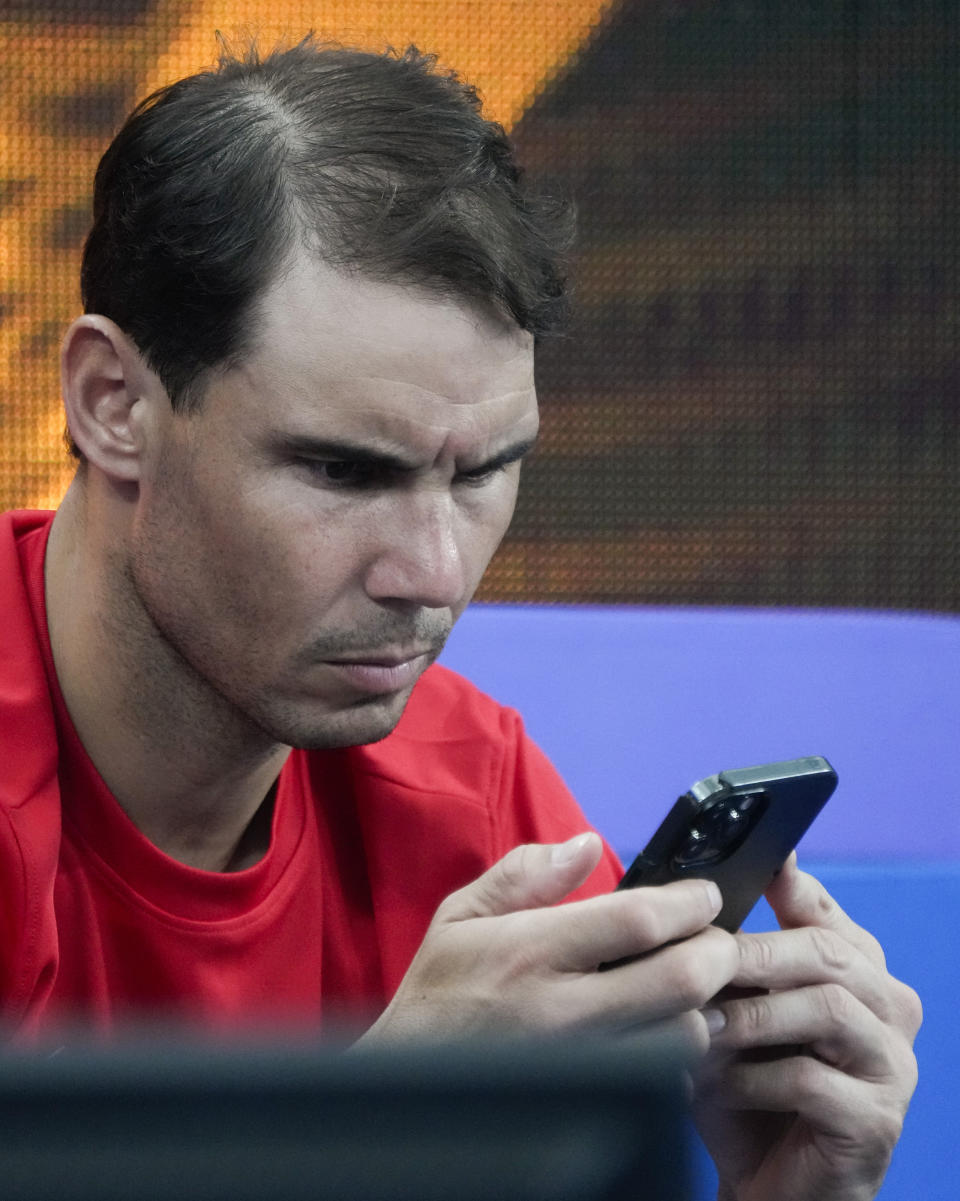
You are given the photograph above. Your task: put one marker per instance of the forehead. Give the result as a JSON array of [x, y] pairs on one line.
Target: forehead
[[377, 357]]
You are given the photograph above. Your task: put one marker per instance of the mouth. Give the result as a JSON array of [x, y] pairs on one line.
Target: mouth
[[389, 657], [382, 672]]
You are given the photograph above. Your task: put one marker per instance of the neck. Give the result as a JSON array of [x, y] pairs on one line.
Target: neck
[[192, 772]]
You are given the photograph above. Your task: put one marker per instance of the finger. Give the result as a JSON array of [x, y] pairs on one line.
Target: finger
[[837, 1027], [813, 955], [826, 1098], [799, 899], [528, 877], [632, 922], [800, 902], [673, 980]]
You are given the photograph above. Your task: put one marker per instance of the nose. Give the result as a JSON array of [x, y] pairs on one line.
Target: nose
[[418, 558]]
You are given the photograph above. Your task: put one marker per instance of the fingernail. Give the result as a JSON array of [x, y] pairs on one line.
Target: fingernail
[[716, 1019], [567, 851], [713, 893]]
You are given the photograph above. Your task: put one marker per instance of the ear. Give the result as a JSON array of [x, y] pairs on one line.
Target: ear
[[112, 398]]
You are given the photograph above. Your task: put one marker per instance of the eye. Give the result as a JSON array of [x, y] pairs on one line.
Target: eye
[[344, 473], [480, 475]]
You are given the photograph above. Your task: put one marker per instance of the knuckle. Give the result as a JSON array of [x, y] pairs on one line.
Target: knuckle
[[757, 953], [515, 865], [807, 1075], [688, 990], [883, 1132], [874, 1128], [721, 953], [694, 983], [447, 908], [836, 1003], [832, 950], [751, 1015], [910, 1006], [908, 1074], [891, 1130], [641, 922]]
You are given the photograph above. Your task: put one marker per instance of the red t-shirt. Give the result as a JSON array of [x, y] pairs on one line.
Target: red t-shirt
[[98, 926]]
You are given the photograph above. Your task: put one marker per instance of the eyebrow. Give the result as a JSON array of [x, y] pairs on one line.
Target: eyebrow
[[355, 452]]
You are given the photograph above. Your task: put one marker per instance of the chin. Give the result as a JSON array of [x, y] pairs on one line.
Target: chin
[[358, 725]]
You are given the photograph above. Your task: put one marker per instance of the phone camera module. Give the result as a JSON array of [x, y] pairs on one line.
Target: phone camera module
[[718, 830]]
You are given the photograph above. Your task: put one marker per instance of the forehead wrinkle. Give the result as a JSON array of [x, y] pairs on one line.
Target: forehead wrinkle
[[402, 429], [383, 360], [446, 397], [445, 378], [322, 381], [410, 400]]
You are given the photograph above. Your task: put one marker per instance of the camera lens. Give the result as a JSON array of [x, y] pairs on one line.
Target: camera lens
[[721, 828], [696, 848]]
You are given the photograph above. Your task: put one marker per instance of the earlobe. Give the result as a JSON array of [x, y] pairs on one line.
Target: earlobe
[[107, 391]]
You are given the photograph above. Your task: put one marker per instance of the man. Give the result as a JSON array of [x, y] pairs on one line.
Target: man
[[300, 396]]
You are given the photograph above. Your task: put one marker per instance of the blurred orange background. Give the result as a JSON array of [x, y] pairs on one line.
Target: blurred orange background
[[65, 86], [758, 402]]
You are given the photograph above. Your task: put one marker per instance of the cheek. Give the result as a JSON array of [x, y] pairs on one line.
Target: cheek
[[212, 552], [290, 564], [268, 572]]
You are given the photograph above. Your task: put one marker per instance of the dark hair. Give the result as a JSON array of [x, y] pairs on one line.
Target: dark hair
[[377, 163]]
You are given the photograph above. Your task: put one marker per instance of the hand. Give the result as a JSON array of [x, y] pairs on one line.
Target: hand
[[501, 956], [816, 1120]]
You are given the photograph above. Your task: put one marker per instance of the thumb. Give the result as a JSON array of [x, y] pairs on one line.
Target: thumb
[[528, 877]]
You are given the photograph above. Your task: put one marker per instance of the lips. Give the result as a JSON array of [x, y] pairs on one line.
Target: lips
[[382, 672], [384, 658]]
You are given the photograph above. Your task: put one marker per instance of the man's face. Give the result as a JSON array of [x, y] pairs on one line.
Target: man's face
[[306, 540]]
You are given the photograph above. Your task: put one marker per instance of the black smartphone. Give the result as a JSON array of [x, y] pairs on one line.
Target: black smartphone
[[737, 828]]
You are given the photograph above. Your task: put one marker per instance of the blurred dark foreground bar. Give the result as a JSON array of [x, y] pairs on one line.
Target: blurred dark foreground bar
[[163, 1120]]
